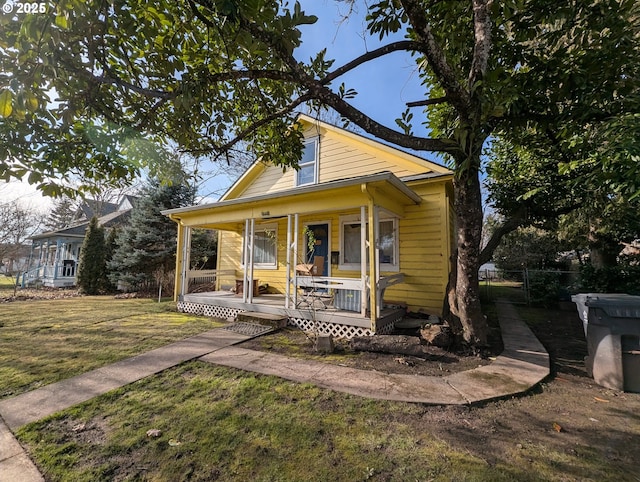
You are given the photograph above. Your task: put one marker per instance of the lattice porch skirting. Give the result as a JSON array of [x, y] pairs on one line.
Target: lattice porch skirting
[[328, 328], [213, 311]]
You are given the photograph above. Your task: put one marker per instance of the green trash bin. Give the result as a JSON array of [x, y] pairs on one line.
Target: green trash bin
[[611, 325]]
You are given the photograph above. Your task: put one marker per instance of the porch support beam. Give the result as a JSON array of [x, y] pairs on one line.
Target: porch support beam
[[373, 265], [56, 259], [249, 291], [287, 299], [179, 279], [296, 220], [186, 260], [363, 261], [247, 248]]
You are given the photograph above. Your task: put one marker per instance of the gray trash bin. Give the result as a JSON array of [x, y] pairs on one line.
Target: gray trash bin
[[611, 325]]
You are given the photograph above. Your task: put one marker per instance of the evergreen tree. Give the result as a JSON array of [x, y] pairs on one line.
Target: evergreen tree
[[62, 214], [146, 247], [110, 247], [204, 249], [92, 272]]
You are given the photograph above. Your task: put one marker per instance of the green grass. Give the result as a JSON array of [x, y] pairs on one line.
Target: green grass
[[45, 341], [6, 283], [510, 290], [223, 424]]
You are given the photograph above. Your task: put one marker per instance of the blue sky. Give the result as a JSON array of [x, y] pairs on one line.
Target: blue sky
[[385, 85]]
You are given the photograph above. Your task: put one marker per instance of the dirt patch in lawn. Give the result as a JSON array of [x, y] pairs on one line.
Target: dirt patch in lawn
[[568, 427], [437, 361]]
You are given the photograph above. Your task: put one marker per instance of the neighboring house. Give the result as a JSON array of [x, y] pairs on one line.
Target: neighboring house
[[55, 255], [13, 258], [310, 230]]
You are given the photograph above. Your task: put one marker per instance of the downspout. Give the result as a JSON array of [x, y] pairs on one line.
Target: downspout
[[374, 272]]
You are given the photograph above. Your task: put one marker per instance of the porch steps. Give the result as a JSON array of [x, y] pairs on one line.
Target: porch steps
[[268, 319], [249, 329]]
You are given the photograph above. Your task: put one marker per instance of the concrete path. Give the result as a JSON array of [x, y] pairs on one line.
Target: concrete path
[[523, 363], [28, 407]]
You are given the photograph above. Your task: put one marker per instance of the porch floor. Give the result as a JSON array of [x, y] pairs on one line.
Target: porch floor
[[274, 304]]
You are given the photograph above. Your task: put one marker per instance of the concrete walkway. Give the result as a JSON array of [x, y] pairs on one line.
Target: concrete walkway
[[523, 363]]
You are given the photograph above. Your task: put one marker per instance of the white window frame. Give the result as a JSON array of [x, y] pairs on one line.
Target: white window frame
[[355, 219], [262, 228], [316, 142]]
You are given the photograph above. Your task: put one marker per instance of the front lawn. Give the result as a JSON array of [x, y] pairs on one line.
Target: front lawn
[[43, 341], [216, 423]]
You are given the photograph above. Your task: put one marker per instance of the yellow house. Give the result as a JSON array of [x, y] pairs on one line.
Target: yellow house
[[311, 229]]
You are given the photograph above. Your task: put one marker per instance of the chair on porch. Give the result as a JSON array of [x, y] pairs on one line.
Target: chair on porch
[[314, 296]]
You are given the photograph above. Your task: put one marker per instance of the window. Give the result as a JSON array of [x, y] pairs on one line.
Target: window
[[308, 172], [264, 248], [350, 243]]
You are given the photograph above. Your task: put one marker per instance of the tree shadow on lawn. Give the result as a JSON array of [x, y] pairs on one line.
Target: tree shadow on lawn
[[567, 425]]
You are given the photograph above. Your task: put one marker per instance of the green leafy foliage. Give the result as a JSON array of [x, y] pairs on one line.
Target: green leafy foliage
[[624, 278], [92, 271], [528, 248]]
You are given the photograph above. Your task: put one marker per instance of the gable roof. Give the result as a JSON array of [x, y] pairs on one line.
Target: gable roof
[[78, 230], [416, 164]]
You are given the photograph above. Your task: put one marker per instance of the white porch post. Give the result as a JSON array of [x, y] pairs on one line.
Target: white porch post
[[47, 259], [373, 266], [295, 259], [288, 289], [376, 247], [363, 261], [252, 227], [56, 259], [247, 248], [186, 260]]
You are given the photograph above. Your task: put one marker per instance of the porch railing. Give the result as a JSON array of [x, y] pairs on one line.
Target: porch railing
[[205, 279], [49, 272], [348, 292]]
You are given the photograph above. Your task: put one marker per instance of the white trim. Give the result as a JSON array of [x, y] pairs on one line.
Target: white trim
[[288, 275], [186, 262], [316, 162], [259, 228], [383, 216]]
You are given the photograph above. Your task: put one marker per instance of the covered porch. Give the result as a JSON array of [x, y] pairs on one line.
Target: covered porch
[[287, 241], [53, 261]]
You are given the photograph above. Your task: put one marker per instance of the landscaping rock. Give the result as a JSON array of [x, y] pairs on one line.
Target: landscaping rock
[[324, 344]]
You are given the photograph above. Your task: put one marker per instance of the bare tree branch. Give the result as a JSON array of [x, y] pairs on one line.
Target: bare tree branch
[[420, 103], [403, 45]]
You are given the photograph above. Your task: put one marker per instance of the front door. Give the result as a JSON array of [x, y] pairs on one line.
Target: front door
[[319, 245]]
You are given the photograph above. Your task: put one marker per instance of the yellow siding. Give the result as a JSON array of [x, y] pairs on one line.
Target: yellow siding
[[229, 255], [271, 180], [423, 251], [341, 157]]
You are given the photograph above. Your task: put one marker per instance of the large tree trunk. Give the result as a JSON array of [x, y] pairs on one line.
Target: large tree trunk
[[463, 293]]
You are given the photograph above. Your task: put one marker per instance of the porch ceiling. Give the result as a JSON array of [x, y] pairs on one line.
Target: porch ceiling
[[383, 189]]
